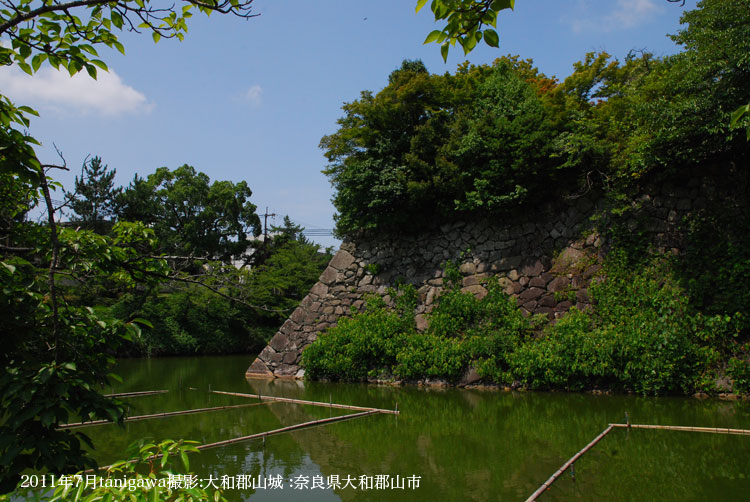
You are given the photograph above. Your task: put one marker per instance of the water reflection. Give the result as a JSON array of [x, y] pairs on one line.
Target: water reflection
[[464, 444]]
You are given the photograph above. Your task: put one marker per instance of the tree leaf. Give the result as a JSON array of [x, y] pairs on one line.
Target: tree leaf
[[25, 67], [738, 113], [420, 4], [491, 38], [433, 36]]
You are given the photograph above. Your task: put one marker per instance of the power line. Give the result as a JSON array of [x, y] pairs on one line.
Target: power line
[[317, 232]]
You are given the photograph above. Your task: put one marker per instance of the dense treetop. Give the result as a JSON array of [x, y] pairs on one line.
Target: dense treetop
[[491, 138]]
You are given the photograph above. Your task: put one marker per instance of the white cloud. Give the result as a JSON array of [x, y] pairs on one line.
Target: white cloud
[[107, 96], [627, 14], [254, 95]]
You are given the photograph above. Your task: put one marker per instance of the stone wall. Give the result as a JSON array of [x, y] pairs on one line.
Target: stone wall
[[545, 259]]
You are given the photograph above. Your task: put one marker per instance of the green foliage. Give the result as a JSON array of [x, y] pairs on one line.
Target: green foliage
[[715, 268], [487, 140], [383, 341], [190, 320], [143, 476], [737, 117], [93, 200], [738, 369], [365, 344], [17, 156], [466, 22], [643, 336], [190, 215], [230, 311], [66, 34], [429, 147], [53, 367]]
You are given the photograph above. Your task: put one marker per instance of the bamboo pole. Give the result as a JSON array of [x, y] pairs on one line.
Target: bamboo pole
[[715, 430], [263, 435], [141, 393], [157, 415], [289, 428], [301, 401], [567, 464]]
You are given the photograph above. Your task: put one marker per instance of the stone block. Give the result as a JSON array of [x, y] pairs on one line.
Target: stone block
[[471, 376], [550, 313], [582, 296], [421, 322], [532, 269], [591, 270], [568, 257], [258, 369], [298, 316], [328, 275], [467, 268], [319, 290], [530, 306], [473, 280], [342, 260], [478, 291], [279, 342], [558, 284], [530, 294], [547, 301], [537, 282]]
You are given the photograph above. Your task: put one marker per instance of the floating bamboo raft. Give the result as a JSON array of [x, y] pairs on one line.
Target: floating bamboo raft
[[262, 435], [290, 428], [134, 394], [301, 401], [569, 463], [158, 415], [361, 412], [715, 430]]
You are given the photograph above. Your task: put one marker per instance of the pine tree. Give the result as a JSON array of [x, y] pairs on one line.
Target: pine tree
[[93, 200]]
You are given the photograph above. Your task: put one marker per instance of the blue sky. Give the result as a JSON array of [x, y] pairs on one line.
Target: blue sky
[[250, 99]]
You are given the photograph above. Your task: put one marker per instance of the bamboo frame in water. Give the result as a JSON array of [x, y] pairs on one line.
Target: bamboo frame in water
[[135, 394], [159, 415], [262, 435], [561, 470], [715, 430], [301, 401]]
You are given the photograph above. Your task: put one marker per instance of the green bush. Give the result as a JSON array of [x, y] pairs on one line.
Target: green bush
[[365, 344], [190, 320], [738, 369], [643, 336]]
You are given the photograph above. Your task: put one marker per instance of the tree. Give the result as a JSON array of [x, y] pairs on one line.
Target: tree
[[192, 216], [467, 21], [55, 357], [93, 200], [65, 34], [430, 148], [57, 353]]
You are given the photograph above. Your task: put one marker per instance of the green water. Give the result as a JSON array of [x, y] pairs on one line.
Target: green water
[[463, 445]]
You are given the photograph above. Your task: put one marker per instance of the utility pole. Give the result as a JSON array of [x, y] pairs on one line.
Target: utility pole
[[265, 224]]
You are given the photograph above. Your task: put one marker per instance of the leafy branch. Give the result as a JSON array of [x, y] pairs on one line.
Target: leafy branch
[[52, 31]]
